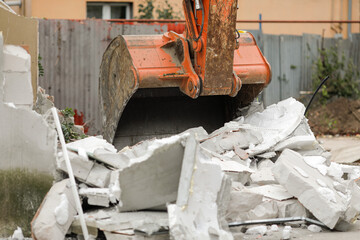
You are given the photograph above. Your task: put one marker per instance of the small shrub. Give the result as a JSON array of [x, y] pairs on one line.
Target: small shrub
[[146, 10], [343, 76]]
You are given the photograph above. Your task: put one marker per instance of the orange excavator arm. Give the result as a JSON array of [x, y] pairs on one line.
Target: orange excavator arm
[[210, 58]]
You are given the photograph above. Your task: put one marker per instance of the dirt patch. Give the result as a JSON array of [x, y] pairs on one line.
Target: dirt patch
[[340, 116]]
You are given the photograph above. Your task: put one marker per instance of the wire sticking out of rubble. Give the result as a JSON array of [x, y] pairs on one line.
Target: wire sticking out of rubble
[[313, 96]]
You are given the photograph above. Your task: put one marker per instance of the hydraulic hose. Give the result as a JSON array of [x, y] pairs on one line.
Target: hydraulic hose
[[202, 21]]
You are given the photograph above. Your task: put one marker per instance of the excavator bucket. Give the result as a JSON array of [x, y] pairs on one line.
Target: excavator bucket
[[159, 85]]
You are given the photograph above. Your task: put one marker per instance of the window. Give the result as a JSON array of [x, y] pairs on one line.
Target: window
[[109, 10]]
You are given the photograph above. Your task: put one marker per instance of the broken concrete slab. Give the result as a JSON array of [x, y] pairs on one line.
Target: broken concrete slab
[[90, 144], [115, 160], [232, 135], [81, 166], [152, 178], [99, 176], [103, 196], [56, 213], [241, 202], [111, 220], [26, 141], [273, 191], [302, 181], [275, 123], [301, 138], [96, 196], [203, 215], [44, 102]]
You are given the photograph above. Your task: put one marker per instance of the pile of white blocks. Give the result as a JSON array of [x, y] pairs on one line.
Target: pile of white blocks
[[264, 165]]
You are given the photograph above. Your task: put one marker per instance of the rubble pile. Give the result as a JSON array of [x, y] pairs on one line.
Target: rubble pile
[[264, 165]]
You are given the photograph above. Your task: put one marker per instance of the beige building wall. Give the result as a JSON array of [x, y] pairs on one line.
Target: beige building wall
[[248, 10], [299, 10]]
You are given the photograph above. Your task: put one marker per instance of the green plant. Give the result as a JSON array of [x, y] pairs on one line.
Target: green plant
[[343, 76], [146, 10], [167, 12], [40, 67], [68, 127]]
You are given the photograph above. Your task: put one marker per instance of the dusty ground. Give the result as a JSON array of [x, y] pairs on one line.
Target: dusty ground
[[340, 116], [300, 233]]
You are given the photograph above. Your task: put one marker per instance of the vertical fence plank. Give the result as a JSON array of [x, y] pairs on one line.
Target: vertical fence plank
[[310, 53], [271, 52]]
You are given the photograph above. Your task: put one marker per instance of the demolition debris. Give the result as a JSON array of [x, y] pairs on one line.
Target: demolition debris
[[264, 168]]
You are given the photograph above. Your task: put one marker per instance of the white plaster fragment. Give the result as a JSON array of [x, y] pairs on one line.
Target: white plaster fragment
[[274, 228], [18, 234], [90, 144], [286, 234], [314, 228], [275, 123], [61, 212], [258, 230]]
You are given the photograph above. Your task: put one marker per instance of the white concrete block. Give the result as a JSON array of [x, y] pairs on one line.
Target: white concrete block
[[152, 178], [202, 217], [56, 213], [81, 167], [323, 202], [26, 140], [17, 88], [16, 59], [99, 176]]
